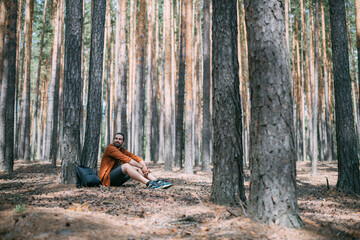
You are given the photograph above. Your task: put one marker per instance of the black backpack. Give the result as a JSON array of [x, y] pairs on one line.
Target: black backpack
[[85, 177]]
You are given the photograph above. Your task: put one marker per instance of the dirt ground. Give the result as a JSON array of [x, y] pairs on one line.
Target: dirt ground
[[55, 211]]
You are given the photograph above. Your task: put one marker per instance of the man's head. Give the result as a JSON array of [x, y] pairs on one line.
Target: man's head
[[119, 139]]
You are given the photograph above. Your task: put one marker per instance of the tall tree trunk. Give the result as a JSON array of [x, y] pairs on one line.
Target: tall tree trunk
[[154, 149], [228, 182], [315, 91], [24, 151], [2, 32], [180, 90], [70, 156], [7, 98], [207, 125], [273, 183], [53, 93], [90, 150], [139, 79], [357, 22], [328, 131], [109, 40], [167, 89], [189, 155], [38, 79], [348, 162]]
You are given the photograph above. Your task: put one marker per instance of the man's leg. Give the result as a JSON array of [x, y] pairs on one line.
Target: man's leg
[[131, 171]]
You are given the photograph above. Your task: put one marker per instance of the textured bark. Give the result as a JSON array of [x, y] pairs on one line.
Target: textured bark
[[167, 89], [53, 93], [24, 144], [2, 32], [357, 22], [70, 154], [189, 155], [315, 91], [207, 125], [348, 162], [7, 98], [120, 70], [328, 130], [38, 79], [139, 79], [90, 150], [150, 72], [272, 197], [228, 183], [180, 91], [154, 148], [109, 40]]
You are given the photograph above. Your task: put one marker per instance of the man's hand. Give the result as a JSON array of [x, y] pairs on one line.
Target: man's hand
[[145, 170]]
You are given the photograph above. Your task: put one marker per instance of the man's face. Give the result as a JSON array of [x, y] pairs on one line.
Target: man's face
[[118, 140]]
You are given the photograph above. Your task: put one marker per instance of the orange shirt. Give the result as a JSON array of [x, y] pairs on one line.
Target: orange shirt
[[110, 160]]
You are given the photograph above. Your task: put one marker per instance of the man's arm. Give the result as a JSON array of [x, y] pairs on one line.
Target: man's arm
[[140, 165]]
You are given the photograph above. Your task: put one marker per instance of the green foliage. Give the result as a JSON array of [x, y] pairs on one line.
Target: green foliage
[[20, 208]]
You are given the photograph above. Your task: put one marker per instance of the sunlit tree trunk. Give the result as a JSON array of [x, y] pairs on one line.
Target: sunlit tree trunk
[[70, 157], [189, 155], [2, 32], [90, 150], [7, 98], [348, 162], [139, 79], [357, 22], [109, 40], [272, 197]]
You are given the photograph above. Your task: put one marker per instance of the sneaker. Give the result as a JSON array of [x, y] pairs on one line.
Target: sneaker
[[152, 184], [162, 184]]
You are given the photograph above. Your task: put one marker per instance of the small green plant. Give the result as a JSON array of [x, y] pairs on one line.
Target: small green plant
[[20, 208]]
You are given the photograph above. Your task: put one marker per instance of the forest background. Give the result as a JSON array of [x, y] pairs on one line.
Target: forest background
[[153, 76]]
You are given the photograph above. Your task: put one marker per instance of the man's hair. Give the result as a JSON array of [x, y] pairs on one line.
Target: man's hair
[[119, 133]]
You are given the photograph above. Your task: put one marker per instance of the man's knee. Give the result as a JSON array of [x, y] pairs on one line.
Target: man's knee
[[125, 167]]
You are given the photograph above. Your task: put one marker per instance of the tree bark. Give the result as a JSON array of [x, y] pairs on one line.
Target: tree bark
[[207, 125], [228, 183], [24, 144], [167, 89], [272, 197], [70, 157], [139, 79], [7, 98], [189, 154], [90, 150], [180, 89], [348, 162], [2, 32]]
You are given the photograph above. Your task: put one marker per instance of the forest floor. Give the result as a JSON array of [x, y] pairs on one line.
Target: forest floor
[[56, 211]]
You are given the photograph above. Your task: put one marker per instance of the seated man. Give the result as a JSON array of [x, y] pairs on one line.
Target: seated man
[[131, 166]]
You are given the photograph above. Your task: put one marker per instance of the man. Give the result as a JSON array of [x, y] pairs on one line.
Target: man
[[131, 166]]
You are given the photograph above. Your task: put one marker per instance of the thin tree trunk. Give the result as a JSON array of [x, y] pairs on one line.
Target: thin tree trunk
[[2, 34], [36, 104], [168, 140], [207, 125], [24, 151], [357, 22], [139, 80], [149, 77], [155, 92]]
